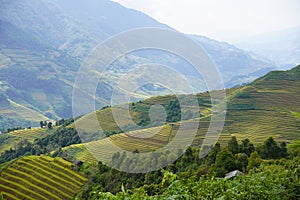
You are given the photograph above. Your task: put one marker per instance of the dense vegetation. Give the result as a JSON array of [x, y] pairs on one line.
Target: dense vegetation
[[264, 111], [62, 137], [267, 176], [268, 181]]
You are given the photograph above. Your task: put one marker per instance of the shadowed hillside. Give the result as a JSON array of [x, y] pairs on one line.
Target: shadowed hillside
[[43, 43]]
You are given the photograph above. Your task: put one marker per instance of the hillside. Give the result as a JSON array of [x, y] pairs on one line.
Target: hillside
[[265, 108], [43, 43], [257, 111], [11, 139], [40, 177]]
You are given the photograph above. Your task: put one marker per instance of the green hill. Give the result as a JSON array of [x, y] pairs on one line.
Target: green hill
[[257, 111], [264, 108], [40, 55], [40, 177], [11, 139]]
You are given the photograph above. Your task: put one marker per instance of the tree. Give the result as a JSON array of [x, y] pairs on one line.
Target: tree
[[49, 125], [246, 147], [59, 122], [41, 124], [270, 149], [254, 160], [241, 161], [188, 156], [284, 151], [211, 158], [173, 111], [225, 161], [233, 145]]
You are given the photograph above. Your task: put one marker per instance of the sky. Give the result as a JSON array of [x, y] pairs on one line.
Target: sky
[[224, 20]]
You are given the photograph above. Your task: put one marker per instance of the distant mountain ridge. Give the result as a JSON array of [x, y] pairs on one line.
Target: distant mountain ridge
[[230, 60], [43, 43], [282, 47]]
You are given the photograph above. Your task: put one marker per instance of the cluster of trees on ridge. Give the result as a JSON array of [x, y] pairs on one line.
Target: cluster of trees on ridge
[[62, 137]]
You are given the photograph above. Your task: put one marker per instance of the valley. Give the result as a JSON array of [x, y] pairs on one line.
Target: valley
[[162, 142], [38, 67]]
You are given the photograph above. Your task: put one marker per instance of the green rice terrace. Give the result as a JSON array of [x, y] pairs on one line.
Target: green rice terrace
[[264, 108], [40, 177], [268, 107], [257, 111], [100, 100]]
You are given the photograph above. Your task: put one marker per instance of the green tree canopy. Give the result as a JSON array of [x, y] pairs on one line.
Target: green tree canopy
[[233, 145]]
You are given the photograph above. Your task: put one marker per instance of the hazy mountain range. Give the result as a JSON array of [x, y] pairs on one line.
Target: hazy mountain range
[[43, 43], [282, 47]]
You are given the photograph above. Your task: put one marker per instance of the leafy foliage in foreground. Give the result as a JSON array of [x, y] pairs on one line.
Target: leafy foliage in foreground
[[193, 178], [269, 181]]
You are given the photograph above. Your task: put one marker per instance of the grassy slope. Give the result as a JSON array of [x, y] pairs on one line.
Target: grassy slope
[[40, 177], [138, 111], [11, 139], [263, 108], [256, 111], [31, 134], [7, 141]]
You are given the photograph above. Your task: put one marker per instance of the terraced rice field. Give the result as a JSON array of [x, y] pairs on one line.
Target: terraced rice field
[[274, 100], [29, 134], [257, 111], [7, 141], [40, 177], [106, 117], [80, 152], [144, 140]]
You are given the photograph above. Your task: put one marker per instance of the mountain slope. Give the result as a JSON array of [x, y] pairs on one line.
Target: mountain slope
[[256, 111], [264, 107], [234, 63], [267, 101], [73, 27], [43, 43]]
